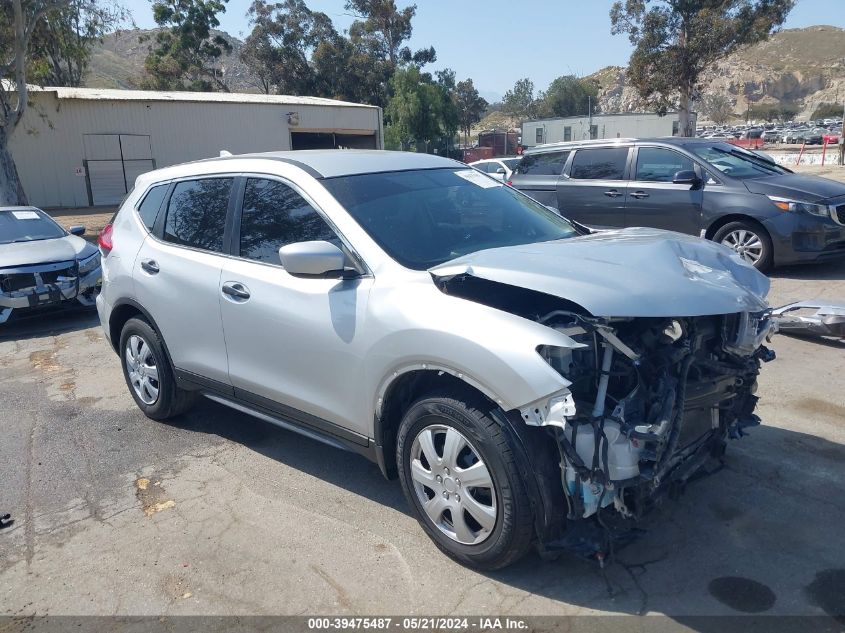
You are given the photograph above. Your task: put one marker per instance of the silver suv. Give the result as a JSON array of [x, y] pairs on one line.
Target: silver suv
[[525, 379]]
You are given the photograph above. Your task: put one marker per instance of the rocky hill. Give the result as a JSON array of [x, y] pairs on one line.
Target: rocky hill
[[119, 61], [804, 67]]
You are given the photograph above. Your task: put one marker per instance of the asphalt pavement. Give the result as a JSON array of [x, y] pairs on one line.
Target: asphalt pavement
[[219, 513]]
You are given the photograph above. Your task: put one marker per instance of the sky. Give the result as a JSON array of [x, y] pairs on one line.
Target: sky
[[496, 42]]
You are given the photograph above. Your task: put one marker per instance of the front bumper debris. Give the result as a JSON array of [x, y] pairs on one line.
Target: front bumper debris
[[44, 285], [811, 318]]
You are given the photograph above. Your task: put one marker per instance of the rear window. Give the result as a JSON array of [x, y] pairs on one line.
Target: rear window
[[545, 164], [606, 163], [27, 225], [148, 209], [196, 214]]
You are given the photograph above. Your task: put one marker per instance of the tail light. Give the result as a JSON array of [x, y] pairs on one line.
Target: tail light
[[509, 183], [104, 239]]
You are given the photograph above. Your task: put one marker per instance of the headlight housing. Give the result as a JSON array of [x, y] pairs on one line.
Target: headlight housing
[[785, 204], [89, 263]]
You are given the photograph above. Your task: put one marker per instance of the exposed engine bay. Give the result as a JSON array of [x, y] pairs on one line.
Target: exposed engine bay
[[652, 400], [650, 405]]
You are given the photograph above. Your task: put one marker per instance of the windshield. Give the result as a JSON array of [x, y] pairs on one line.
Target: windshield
[[25, 225], [736, 162], [425, 217], [511, 163]]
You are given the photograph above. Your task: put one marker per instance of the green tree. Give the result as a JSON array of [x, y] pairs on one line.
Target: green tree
[[62, 41], [717, 107], [376, 47], [519, 101], [279, 50], [416, 109], [675, 41], [827, 111], [186, 52], [470, 105], [567, 96]]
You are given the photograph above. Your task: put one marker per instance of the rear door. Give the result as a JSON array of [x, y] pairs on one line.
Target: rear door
[[538, 173], [177, 275], [594, 190], [654, 200]]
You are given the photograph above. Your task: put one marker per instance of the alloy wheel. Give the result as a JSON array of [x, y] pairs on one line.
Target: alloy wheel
[[142, 368], [453, 485], [747, 243]]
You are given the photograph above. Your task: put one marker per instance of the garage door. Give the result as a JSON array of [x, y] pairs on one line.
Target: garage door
[[330, 140], [113, 163]]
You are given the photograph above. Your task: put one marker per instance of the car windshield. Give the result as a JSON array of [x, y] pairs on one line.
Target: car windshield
[[26, 225], [423, 218], [736, 162]]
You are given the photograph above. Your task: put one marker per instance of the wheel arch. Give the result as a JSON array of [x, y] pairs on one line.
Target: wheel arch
[[721, 221], [121, 313], [534, 447]]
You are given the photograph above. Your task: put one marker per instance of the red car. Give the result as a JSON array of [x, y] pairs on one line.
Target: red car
[[830, 138]]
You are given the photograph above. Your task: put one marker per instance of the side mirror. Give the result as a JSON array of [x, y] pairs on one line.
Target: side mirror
[[501, 170], [687, 177], [314, 258], [77, 229]]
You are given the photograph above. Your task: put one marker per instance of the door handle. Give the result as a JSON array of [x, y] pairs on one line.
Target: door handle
[[150, 266], [612, 193], [236, 291], [639, 194]]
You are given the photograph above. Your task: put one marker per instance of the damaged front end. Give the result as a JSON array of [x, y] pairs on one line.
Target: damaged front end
[[651, 403], [36, 286]]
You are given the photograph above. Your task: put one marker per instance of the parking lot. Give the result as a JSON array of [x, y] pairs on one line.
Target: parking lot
[[219, 513]]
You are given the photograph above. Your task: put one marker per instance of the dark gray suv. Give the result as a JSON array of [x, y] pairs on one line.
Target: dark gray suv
[[766, 213]]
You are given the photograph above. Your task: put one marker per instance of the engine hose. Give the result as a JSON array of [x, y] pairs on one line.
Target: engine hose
[[675, 432]]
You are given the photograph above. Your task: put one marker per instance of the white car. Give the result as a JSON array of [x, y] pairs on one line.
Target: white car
[[499, 168]]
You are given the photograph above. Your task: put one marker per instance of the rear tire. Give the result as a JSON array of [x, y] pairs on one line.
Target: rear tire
[[148, 373], [493, 489], [750, 241]]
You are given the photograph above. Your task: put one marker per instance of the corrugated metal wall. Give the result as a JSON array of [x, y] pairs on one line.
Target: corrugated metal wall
[[49, 149]]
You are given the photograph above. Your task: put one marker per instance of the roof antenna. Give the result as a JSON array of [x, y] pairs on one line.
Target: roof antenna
[[224, 153]]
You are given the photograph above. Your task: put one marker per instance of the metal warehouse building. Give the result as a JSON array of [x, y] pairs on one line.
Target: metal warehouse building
[[579, 128], [78, 147]]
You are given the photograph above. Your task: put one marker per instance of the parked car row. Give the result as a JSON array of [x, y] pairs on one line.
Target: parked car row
[[810, 133]]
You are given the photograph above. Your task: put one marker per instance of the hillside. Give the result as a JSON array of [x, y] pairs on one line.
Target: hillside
[[119, 61], [801, 66]]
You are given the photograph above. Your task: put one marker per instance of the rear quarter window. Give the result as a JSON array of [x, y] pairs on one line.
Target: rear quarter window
[[150, 205]]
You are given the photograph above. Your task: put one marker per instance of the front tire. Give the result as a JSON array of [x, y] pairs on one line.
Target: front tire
[[460, 477], [750, 241], [148, 373]]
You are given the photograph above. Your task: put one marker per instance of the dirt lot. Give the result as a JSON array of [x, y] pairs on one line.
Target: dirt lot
[[218, 513]]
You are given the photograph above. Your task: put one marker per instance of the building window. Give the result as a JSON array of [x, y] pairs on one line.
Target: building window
[[538, 135], [567, 133], [676, 126], [594, 131]]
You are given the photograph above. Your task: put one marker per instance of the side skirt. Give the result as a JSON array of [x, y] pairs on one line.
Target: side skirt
[[279, 415]]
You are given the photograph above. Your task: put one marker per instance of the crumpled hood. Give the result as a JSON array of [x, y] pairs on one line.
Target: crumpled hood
[[636, 272], [796, 186], [44, 251]]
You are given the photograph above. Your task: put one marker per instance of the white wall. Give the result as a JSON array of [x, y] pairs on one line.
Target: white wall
[[609, 126], [48, 143]]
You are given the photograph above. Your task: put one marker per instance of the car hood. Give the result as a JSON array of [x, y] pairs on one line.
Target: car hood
[[796, 186], [44, 251], [637, 272]]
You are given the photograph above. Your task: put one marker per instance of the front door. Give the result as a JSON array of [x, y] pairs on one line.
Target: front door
[[593, 193], [654, 200], [294, 344]]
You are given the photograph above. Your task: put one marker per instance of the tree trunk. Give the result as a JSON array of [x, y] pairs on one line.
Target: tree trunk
[[11, 190], [684, 115]]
